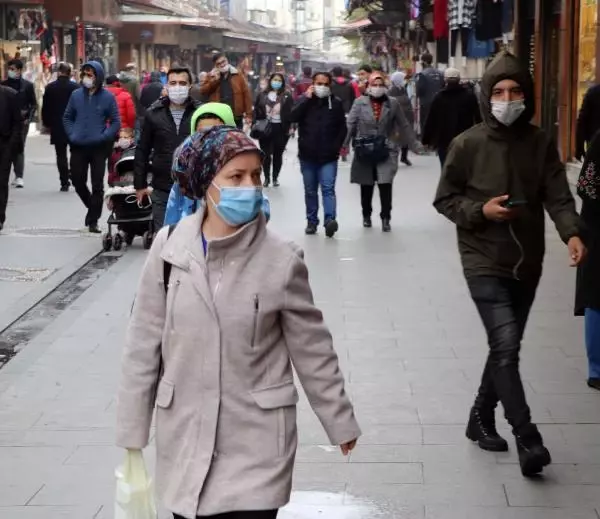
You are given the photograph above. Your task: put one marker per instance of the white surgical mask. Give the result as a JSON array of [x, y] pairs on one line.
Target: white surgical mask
[[322, 91], [507, 112], [123, 143], [377, 91], [178, 94], [87, 82], [13, 74]]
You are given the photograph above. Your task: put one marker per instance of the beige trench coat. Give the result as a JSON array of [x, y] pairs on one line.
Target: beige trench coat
[[229, 330]]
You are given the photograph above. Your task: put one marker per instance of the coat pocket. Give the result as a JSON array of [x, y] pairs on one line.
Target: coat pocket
[[164, 395], [281, 401]]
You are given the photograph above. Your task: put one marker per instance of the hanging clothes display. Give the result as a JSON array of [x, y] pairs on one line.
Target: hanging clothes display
[[508, 16], [460, 21], [480, 49], [440, 19], [488, 19]]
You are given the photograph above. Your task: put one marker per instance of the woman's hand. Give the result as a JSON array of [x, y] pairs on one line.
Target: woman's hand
[[348, 447], [577, 251]]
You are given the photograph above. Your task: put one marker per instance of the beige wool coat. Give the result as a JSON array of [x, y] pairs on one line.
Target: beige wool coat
[[229, 329]]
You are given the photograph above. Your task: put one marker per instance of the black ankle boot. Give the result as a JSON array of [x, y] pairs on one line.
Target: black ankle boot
[[533, 456], [482, 429]]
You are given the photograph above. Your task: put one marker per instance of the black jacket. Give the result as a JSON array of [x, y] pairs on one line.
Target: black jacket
[[588, 122], [150, 94], [260, 109], [158, 140], [11, 123], [343, 90], [429, 82], [454, 110], [25, 96], [56, 98], [321, 128]]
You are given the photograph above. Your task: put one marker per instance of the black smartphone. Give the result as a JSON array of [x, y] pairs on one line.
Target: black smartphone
[[513, 203]]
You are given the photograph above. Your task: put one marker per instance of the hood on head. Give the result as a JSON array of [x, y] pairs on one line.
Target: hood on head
[[98, 69], [221, 110], [506, 66], [398, 79], [154, 77]]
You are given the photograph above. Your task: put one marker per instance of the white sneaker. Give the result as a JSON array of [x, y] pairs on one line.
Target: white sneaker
[[19, 182]]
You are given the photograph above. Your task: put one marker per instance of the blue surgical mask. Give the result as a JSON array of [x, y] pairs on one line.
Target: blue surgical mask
[[276, 85], [13, 74], [238, 205]]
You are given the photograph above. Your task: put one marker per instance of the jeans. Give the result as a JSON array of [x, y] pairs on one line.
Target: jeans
[[5, 162], [503, 305], [316, 175], [19, 159], [592, 341], [94, 158], [159, 208], [62, 163], [259, 514], [385, 197], [273, 148]]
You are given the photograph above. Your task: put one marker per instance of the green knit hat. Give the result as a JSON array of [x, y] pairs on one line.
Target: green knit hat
[[220, 110]]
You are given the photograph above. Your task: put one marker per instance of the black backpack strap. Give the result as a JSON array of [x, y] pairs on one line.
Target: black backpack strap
[[166, 265]]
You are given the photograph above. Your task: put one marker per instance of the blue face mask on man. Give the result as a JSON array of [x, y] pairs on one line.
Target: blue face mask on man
[[239, 205]]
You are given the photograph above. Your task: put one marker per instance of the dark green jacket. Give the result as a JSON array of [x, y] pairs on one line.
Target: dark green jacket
[[491, 160]]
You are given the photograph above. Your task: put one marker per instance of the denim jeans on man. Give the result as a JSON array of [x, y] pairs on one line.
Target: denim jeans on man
[[504, 305], [316, 175]]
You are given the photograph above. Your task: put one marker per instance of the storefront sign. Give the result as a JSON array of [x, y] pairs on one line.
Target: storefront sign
[[80, 42]]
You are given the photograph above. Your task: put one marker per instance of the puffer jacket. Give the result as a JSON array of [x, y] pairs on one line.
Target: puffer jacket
[[158, 140], [125, 105], [491, 160]]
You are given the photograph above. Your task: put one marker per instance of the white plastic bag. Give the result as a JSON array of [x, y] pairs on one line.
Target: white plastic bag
[[134, 497]]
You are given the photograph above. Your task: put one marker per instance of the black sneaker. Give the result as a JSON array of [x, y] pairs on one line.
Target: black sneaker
[[594, 383], [533, 456], [94, 229], [276, 183], [311, 229], [331, 227], [1, 226], [266, 183], [482, 429], [386, 226], [64, 189], [406, 161], [367, 223]]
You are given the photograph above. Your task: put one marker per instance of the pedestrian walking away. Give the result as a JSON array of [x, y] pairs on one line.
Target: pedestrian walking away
[[225, 84], [342, 88], [244, 293], [321, 133], [28, 107], [378, 128], [429, 82], [54, 104], [125, 103], [166, 125], [398, 91], [11, 142], [453, 110], [273, 107], [497, 179], [588, 275], [150, 94], [588, 121], [303, 83], [91, 122]]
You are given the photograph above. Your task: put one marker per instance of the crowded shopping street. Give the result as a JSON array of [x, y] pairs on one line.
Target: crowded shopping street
[[410, 344]]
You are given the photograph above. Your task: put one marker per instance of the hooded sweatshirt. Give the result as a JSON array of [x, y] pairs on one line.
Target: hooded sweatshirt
[[91, 119], [491, 160], [220, 110]]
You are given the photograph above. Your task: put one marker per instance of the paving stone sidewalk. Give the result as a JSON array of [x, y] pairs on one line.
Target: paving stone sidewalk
[[412, 349]]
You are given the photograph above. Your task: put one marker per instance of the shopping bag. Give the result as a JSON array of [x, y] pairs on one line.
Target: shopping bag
[[134, 498]]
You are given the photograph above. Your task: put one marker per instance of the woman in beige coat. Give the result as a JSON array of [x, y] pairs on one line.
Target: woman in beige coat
[[215, 350]]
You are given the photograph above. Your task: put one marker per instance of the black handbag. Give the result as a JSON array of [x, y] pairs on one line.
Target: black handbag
[[261, 129], [371, 149]]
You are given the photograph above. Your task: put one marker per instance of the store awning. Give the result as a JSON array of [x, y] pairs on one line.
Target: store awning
[[166, 19]]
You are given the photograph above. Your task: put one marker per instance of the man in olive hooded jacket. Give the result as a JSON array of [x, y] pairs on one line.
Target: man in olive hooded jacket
[[498, 178]]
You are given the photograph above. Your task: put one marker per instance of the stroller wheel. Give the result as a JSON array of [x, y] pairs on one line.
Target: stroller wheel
[[107, 242], [129, 238], [147, 238], [118, 242]]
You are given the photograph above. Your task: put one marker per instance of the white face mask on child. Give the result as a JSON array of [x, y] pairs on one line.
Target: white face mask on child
[[124, 143]]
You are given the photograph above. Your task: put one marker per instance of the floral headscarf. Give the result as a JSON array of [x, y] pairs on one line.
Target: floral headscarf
[[202, 155]]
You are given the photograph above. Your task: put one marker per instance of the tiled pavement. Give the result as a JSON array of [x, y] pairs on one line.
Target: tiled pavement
[[412, 349]]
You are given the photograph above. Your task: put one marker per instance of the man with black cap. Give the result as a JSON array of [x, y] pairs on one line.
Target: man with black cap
[[498, 179]]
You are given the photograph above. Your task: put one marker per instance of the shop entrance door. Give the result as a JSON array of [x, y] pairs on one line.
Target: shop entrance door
[[550, 72]]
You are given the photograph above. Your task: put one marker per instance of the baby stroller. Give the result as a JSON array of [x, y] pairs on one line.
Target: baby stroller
[[132, 219]]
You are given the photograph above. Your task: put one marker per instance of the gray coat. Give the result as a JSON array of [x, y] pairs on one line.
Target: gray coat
[[228, 331], [393, 124]]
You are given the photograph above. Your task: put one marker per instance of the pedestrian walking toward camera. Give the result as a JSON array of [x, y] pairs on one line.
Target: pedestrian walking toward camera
[[55, 101], [273, 108], [378, 129], [91, 122], [28, 107], [398, 91], [497, 180], [454, 110], [587, 301], [11, 142], [226, 434], [321, 133]]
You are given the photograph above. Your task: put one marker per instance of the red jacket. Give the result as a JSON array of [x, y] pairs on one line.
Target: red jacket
[[125, 104]]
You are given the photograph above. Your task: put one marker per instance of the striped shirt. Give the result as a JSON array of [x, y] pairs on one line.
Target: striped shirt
[[177, 114]]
